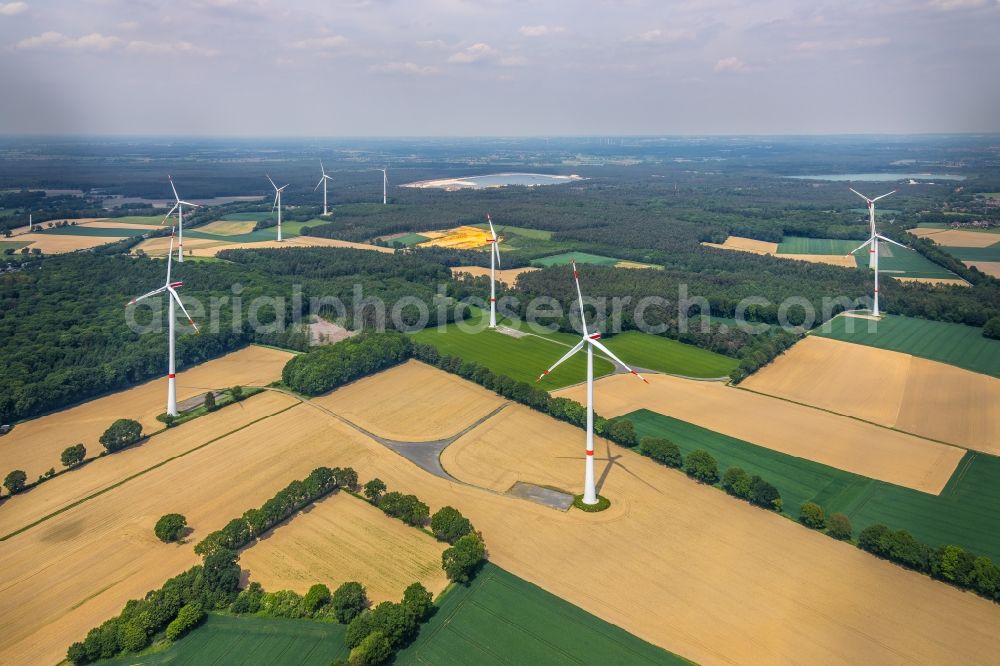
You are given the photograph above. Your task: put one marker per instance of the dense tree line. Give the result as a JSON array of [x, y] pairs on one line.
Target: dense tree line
[[325, 368]]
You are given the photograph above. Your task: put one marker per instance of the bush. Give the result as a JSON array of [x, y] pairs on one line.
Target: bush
[[407, 508], [661, 450], [73, 455], [992, 328], [621, 431], [169, 527], [15, 481], [448, 524], [764, 495], [317, 597], [461, 561], [187, 619], [248, 600], [373, 490], [811, 515], [700, 465], [736, 482], [373, 650], [839, 526], [284, 603], [121, 433], [210, 405], [348, 601]]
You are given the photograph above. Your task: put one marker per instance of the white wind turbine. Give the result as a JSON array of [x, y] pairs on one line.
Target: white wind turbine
[[385, 186], [322, 181], [873, 240], [494, 264], [277, 202], [591, 340], [871, 220], [179, 207], [172, 298]]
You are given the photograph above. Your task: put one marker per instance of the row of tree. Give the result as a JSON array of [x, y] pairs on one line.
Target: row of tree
[[325, 368]]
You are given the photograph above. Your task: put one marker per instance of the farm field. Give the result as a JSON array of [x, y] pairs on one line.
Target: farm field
[[459, 238], [988, 267], [961, 514], [119, 231], [200, 247], [394, 404], [896, 261], [745, 245], [505, 275], [343, 538], [565, 258], [250, 216], [524, 232], [958, 238], [407, 239], [34, 446], [101, 473], [822, 255], [708, 577], [501, 619], [974, 254], [15, 245], [138, 219], [671, 356], [802, 245], [956, 282], [224, 640], [522, 358], [956, 344], [49, 243], [228, 227], [926, 398], [831, 439]]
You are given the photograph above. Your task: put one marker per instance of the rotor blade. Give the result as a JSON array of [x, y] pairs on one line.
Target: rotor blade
[[322, 168], [272, 182], [490, 221], [177, 298], [860, 246], [146, 295], [170, 213], [319, 183], [884, 195], [283, 186], [583, 316], [170, 253], [891, 241], [572, 351], [859, 194], [275, 203], [496, 250], [188, 203], [171, 179], [617, 360]]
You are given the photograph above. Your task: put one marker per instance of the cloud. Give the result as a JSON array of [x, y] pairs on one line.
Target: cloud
[[951, 5], [92, 42], [320, 43], [657, 36], [842, 44], [128, 25], [474, 53], [410, 68], [12, 8], [436, 44], [540, 30], [170, 48], [730, 64], [513, 61]]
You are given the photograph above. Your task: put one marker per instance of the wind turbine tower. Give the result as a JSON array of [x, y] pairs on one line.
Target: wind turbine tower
[[591, 340], [494, 263], [322, 181], [872, 261], [172, 299], [872, 241], [277, 202], [385, 186], [179, 207]]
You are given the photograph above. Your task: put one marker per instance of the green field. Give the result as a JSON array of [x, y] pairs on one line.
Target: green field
[[932, 225], [104, 232], [521, 359], [289, 229], [800, 245], [956, 344], [903, 262], [665, 355], [251, 641], [408, 240], [581, 258], [523, 232], [989, 253], [501, 619], [17, 245], [138, 219], [252, 216], [963, 514]]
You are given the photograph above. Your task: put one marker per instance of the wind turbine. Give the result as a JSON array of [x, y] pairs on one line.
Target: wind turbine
[[172, 298], [179, 207], [277, 202], [385, 186], [30, 224], [494, 263], [872, 261], [591, 340], [322, 181], [873, 240]]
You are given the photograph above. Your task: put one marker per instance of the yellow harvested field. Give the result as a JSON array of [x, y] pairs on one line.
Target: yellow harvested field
[[62, 491], [798, 430], [958, 237], [746, 245], [396, 404], [957, 282], [343, 538], [679, 564], [298, 241], [157, 247], [637, 264], [988, 267], [505, 275], [831, 259], [229, 227], [923, 397], [110, 223], [61, 243], [34, 446], [459, 238]]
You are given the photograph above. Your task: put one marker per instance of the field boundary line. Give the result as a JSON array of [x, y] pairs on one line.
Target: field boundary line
[[139, 473]]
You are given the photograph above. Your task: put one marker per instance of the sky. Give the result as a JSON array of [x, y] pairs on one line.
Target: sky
[[498, 67]]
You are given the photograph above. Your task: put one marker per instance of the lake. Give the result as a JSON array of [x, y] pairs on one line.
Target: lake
[[494, 180], [880, 177]]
